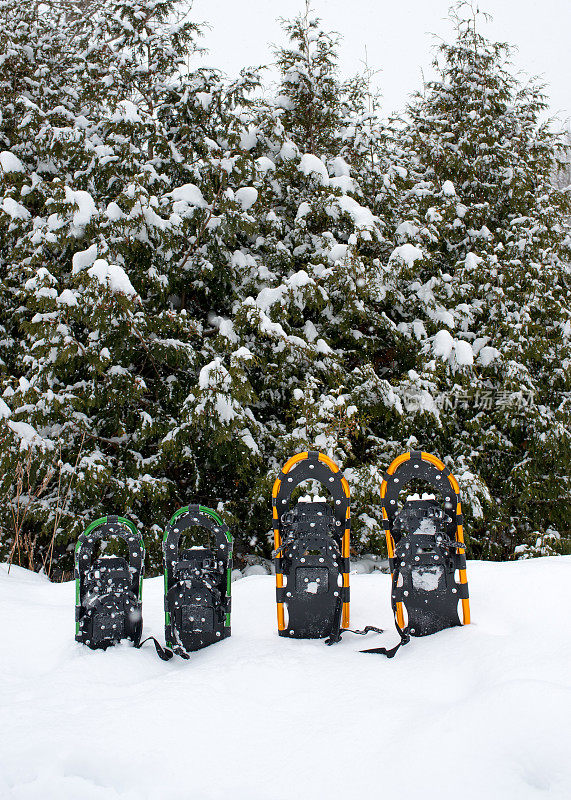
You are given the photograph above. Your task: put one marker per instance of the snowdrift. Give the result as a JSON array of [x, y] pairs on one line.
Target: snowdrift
[[480, 712]]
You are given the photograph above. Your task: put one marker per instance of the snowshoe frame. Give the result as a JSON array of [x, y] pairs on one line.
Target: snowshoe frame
[[448, 553], [114, 614], [301, 467], [197, 582]]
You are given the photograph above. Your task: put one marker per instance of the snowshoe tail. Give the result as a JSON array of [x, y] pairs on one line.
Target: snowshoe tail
[[108, 604], [426, 549], [197, 582], [311, 550]]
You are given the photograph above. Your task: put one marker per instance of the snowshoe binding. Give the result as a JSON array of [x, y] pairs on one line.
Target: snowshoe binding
[[311, 550], [197, 582], [108, 588], [425, 544]]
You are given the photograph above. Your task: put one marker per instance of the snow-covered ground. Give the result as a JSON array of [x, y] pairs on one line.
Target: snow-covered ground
[[476, 713]]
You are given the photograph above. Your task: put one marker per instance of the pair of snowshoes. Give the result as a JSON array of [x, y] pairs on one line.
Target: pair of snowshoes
[[197, 585], [424, 540]]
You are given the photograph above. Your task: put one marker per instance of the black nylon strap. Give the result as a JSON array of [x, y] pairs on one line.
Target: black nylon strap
[[341, 631], [463, 591], [390, 653], [366, 629], [335, 635], [163, 652], [403, 632]]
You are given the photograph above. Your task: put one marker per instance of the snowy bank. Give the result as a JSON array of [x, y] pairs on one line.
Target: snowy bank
[[475, 712]]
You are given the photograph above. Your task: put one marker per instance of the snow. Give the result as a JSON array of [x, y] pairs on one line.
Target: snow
[[67, 298], [463, 352], [111, 275], [312, 165], [246, 196], [205, 99], [14, 209], [472, 260], [86, 208], [271, 295], [426, 579], [248, 139], [340, 167], [448, 189], [28, 436], [487, 355], [343, 182], [362, 217], [10, 163], [113, 212], [83, 259], [447, 348], [480, 711], [265, 164], [187, 195], [407, 253], [288, 151], [127, 112], [214, 376]]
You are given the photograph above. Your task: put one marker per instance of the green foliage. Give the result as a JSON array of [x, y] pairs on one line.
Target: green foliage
[[196, 282]]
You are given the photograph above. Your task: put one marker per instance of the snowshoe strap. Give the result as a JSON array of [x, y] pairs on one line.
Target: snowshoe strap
[[390, 653], [366, 629], [163, 652], [336, 635]]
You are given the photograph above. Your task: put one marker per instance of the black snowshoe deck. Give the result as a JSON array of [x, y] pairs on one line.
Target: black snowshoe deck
[[108, 588], [197, 582], [425, 543], [311, 550]]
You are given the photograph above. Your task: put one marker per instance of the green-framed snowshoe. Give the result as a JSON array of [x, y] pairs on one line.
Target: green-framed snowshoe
[[108, 604], [197, 582]]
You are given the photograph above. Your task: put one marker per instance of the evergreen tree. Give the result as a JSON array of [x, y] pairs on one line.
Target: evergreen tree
[[490, 228], [331, 369], [108, 261]]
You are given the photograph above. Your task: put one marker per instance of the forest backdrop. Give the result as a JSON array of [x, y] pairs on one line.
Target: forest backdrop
[[200, 277]]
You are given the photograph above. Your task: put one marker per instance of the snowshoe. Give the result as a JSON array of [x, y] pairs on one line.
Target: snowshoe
[[197, 582], [108, 588], [425, 544], [311, 550]]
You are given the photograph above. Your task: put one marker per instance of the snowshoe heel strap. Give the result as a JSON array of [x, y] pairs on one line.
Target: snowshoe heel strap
[[163, 652]]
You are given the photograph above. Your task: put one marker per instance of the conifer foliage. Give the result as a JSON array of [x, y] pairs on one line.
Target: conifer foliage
[[492, 227], [197, 282]]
